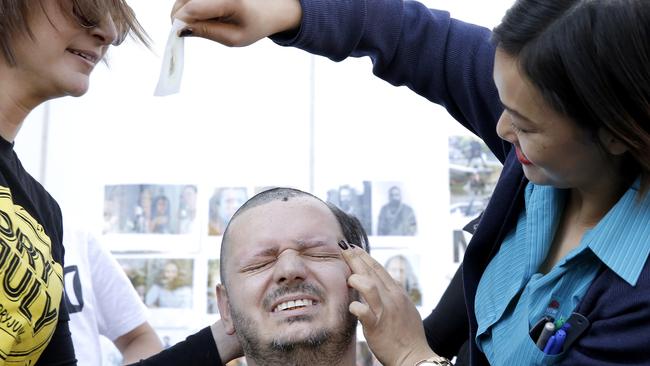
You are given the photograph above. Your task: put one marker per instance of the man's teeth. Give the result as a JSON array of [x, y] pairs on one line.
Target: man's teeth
[[289, 305]]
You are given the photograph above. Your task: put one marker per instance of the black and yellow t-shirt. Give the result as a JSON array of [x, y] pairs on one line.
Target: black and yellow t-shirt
[[31, 259]]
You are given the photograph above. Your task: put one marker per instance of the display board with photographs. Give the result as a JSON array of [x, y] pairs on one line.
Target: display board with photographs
[[384, 208], [177, 282]]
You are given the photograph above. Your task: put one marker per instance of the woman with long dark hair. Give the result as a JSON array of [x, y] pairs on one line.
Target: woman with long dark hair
[[560, 93]]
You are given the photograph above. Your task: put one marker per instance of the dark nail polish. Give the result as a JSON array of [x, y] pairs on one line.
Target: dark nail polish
[[185, 32], [343, 245]]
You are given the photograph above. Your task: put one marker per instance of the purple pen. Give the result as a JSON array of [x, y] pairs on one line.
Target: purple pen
[[549, 345], [560, 337]]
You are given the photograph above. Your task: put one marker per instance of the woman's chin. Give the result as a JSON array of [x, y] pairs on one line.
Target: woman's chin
[[78, 90], [541, 178], [535, 176]]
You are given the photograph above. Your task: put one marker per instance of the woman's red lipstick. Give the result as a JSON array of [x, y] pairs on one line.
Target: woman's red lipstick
[[522, 158]]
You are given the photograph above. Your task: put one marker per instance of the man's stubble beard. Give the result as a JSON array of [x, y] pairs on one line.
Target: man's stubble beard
[[321, 347]]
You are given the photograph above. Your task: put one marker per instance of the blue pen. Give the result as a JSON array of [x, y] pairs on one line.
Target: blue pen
[[549, 345], [560, 337]]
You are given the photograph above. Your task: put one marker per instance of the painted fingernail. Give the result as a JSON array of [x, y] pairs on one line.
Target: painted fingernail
[[186, 32], [343, 244]]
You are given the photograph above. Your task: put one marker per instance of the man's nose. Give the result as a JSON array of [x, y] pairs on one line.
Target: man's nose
[[106, 31], [289, 267]]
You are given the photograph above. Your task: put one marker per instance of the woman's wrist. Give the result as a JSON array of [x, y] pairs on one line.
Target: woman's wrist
[[287, 15], [434, 361], [417, 356]]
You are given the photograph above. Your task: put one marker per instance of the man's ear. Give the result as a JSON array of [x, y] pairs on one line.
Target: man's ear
[[224, 309], [611, 143]]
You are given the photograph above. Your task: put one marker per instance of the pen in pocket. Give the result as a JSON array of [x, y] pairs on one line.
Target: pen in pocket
[[557, 344], [547, 332]]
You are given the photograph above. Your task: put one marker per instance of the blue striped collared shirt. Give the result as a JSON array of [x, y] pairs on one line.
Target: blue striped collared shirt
[[512, 296]]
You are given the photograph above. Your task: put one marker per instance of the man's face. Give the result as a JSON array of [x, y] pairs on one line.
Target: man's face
[[170, 272], [161, 206], [286, 280], [231, 200], [395, 196]]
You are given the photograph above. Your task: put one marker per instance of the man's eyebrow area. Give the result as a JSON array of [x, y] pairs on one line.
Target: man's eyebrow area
[[301, 244], [309, 244], [265, 253]]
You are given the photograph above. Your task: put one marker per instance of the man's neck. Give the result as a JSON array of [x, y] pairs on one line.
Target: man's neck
[[317, 357]]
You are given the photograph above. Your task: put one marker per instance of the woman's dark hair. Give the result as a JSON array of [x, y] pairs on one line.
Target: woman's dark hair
[[15, 15], [590, 59]]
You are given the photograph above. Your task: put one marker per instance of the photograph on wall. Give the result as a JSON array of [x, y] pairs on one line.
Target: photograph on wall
[[214, 278], [403, 265], [149, 209], [354, 199], [394, 211], [161, 282], [170, 283], [223, 204], [473, 174]]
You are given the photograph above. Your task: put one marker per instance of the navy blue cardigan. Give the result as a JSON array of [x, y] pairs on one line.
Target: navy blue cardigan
[[450, 63]]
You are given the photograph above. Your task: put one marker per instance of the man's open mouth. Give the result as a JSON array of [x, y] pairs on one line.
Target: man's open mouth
[[293, 304]]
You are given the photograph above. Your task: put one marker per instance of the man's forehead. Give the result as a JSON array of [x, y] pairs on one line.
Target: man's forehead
[[290, 206], [302, 216]]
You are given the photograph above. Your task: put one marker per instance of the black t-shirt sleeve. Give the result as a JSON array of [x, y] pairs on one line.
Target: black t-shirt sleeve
[[198, 349]]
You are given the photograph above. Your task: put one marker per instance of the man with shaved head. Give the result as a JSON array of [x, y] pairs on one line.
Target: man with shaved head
[[284, 286]]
